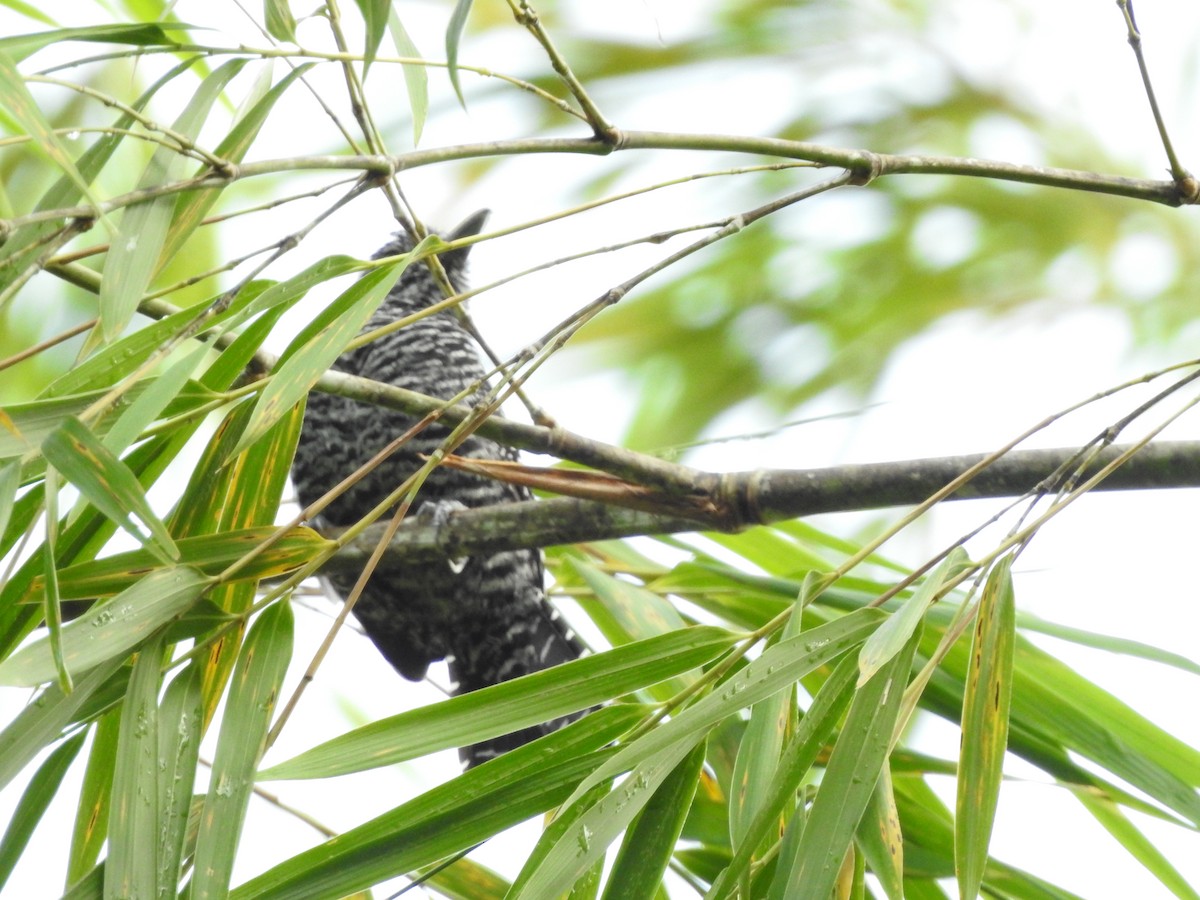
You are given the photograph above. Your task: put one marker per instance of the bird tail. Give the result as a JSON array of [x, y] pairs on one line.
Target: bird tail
[[536, 638]]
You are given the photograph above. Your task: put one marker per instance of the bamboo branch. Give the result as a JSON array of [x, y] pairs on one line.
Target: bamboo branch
[[743, 499]]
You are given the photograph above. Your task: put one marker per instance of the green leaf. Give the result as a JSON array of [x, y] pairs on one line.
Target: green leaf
[[761, 745], [650, 840], [375, 18], [984, 727], [42, 789], [315, 349], [210, 554], [91, 816], [136, 247], [846, 788], [450, 817], [253, 691], [454, 32], [109, 629], [107, 483], [179, 722], [1139, 846], [131, 868], [150, 403], [629, 612], [794, 766], [569, 851], [41, 722], [880, 839], [895, 632], [509, 706], [15, 97], [778, 668], [281, 25], [192, 206], [10, 480], [416, 78], [140, 35]]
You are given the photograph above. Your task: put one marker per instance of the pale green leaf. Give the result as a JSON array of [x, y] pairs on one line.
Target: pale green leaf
[[107, 631], [846, 788], [454, 32], [375, 18], [880, 839], [450, 817], [193, 206], [1114, 820], [574, 849], [313, 352], [637, 871], [179, 722], [15, 97], [281, 24], [893, 634], [778, 668], [416, 78], [91, 816], [131, 868], [144, 34], [42, 788], [107, 483], [793, 770], [41, 722], [509, 706], [257, 678], [984, 727], [135, 249]]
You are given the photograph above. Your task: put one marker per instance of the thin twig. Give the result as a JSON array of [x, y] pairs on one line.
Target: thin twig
[[1184, 179]]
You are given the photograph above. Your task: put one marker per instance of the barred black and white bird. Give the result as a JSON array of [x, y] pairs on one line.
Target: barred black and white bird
[[489, 618]]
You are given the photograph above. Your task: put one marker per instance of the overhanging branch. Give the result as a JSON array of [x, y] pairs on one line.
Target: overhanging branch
[[766, 496]]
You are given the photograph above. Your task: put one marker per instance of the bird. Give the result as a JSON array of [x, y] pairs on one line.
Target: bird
[[487, 616]]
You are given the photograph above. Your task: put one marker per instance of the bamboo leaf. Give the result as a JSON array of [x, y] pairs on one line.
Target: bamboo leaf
[[91, 816], [880, 838], [777, 668], [210, 554], [629, 612], [375, 18], [15, 97], [1139, 846], [138, 34], [893, 634], [41, 722], [131, 868], [41, 790], [192, 206], [109, 629], [107, 483], [179, 719], [509, 706], [450, 817], [135, 249], [761, 745], [569, 851], [454, 32], [416, 78], [984, 727], [794, 766], [854, 766], [281, 24], [650, 840], [252, 693], [312, 353]]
